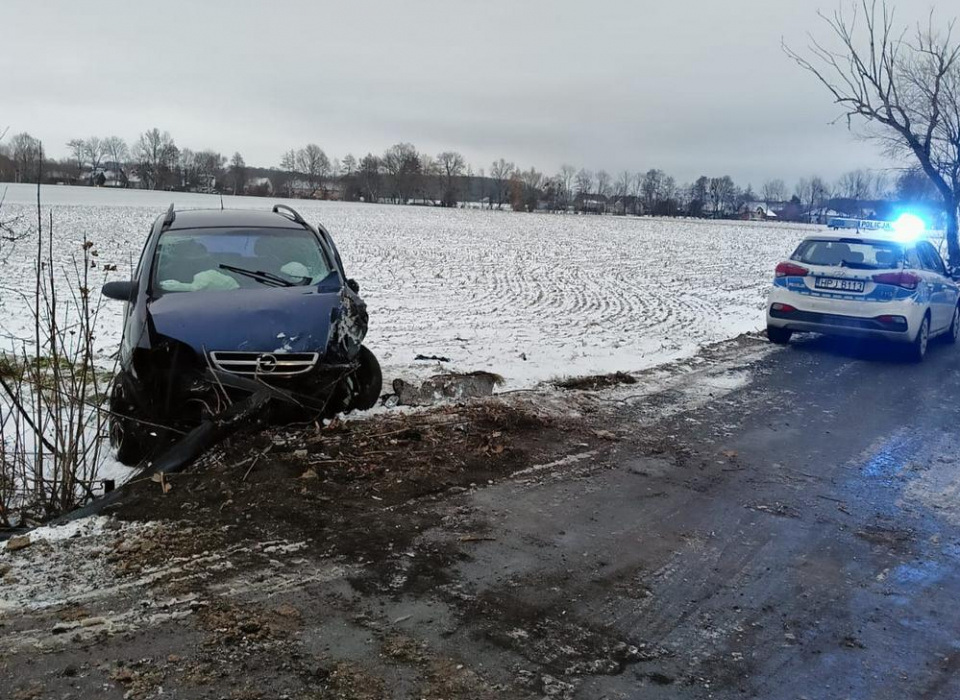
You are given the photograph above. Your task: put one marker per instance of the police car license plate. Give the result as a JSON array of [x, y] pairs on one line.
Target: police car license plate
[[836, 285]]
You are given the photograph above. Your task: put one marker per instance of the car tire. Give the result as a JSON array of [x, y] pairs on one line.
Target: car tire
[[368, 381], [127, 435], [952, 335], [918, 348], [779, 336]]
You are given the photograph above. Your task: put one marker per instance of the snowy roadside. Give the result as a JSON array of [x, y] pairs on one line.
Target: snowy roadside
[[529, 297]]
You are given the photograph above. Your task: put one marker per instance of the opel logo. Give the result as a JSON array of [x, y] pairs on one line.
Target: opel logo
[[266, 364]]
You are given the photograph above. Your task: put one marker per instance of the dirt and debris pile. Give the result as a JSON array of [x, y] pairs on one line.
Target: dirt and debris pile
[[596, 381], [445, 387], [350, 478]]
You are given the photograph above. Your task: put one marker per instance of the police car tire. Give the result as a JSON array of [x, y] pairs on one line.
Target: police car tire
[[779, 336], [919, 346], [951, 336]]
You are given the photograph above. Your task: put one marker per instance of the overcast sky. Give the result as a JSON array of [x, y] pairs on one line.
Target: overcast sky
[[690, 86]]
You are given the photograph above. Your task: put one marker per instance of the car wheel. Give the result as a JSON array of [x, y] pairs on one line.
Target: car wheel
[[127, 436], [368, 381], [954, 332], [918, 349], [780, 336]]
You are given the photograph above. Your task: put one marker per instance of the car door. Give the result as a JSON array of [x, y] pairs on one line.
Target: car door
[[943, 290], [913, 262]]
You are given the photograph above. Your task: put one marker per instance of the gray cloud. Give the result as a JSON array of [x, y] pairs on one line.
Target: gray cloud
[[688, 86]]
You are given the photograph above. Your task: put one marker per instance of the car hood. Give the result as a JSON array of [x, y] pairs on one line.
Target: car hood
[[297, 319]]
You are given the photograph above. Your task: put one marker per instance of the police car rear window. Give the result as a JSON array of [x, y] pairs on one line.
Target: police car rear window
[[852, 253]]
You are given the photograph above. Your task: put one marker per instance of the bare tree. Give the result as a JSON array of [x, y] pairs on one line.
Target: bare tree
[[288, 162], [584, 183], [78, 150], [115, 149], [603, 183], [914, 186], [621, 190], [156, 156], [500, 173], [774, 191], [820, 193], [428, 183], [93, 148], [651, 189], [699, 196], [349, 165], [813, 194], [906, 84], [401, 162], [855, 184], [565, 185], [636, 187], [238, 173], [533, 183], [314, 165], [723, 193], [25, 151], [451, 165], [369, 176], [186, 168], [668, 197]]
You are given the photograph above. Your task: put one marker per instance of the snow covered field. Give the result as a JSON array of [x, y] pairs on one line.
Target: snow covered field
[[530, 297]]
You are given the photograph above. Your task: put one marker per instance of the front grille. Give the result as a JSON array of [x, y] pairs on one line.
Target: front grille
[[265, 364]]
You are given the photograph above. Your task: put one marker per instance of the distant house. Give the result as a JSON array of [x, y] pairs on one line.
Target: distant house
[[60, 177], [259, 186], [823, 215], [591, 203], [760, 211], [302, 189], [629, 204], [114, 178], [333, 190]]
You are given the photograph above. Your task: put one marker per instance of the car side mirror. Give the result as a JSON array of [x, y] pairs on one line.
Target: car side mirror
[[121, 291], [354, 285]]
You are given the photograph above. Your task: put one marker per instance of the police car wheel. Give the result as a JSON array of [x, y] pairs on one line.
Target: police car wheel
[[918, 349], [780, 336], [954, 332]]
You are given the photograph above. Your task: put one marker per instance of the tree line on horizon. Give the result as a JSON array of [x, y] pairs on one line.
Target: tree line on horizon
[[404, 175]]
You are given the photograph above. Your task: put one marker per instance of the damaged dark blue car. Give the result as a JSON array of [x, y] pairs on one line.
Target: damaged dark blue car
[[232, 316]]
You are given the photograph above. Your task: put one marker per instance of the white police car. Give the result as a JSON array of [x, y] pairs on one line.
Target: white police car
[[876, 284]]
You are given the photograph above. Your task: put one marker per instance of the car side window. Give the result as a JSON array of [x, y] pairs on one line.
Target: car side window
[[912, 259], [931, 258]]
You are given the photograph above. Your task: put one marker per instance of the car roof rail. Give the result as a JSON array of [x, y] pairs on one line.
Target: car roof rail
[[168, 217], [280, 208]]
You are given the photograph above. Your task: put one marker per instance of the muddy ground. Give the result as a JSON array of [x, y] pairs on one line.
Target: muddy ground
[[754, 522]]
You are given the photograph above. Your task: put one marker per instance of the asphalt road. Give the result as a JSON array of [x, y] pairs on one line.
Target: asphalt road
[[797, 538], [772, 523]]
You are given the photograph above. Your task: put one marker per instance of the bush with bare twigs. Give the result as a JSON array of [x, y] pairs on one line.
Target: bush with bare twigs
[[52, 392]]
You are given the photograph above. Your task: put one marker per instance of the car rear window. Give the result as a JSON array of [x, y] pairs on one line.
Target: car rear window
[[852, 253]]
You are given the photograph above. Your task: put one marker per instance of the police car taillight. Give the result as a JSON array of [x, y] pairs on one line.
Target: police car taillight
[[786, 269], [907, 280]]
